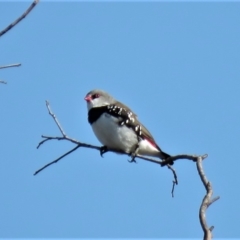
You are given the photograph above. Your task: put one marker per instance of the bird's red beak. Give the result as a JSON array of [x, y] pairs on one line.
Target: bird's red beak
[[88, 98]]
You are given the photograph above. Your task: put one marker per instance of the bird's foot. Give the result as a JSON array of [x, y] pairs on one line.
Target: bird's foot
[[103, 150], [132, 160], [133, 156]]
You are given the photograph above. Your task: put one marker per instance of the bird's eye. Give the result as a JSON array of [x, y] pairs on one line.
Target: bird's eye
[[96, 95]]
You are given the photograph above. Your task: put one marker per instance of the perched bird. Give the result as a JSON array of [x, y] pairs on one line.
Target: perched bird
[[117, 127]]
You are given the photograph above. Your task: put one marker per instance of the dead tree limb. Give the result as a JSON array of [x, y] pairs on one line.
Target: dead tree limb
[[207, 200], [35, 2]]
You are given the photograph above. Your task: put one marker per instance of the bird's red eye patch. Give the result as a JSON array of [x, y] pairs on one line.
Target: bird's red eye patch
[[89, 97], [96, 95]]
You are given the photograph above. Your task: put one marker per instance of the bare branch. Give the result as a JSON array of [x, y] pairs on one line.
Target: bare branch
[[213, 200], [55, 119], [175, 181], [207, 201], [8, 66], [85, 145], [69, 139], [55, 161], [35, 2], [11, 65]]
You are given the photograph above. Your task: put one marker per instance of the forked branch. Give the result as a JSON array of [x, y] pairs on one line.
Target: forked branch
[[207, 201], [85, 145]]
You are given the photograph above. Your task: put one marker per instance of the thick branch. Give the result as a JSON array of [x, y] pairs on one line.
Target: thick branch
[[207, 201], [35, 2]]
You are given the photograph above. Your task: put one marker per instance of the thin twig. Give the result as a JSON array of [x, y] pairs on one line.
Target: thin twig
[[175, 181], [47, 138], [55, 119], [55, 161], [35, 2], [207, 201], [8, 66], [11, 65]]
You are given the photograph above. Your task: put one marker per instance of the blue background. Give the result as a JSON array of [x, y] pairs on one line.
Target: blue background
[[175, 64]]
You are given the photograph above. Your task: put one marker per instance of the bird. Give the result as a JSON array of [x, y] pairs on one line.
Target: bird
[[116, 126]]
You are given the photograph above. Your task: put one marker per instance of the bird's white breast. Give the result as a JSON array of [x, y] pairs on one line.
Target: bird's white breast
[[110, 134]]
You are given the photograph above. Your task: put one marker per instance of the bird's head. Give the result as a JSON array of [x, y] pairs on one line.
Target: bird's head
[[98, 98]]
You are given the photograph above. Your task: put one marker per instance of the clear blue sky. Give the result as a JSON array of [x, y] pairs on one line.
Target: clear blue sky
[[177, 65]]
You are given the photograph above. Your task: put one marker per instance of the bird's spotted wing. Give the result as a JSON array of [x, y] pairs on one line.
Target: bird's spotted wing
[[126, 117], [129, 118], [125, 114]]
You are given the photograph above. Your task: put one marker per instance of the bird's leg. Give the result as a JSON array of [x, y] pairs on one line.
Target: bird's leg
[[103, 150], [134, 154]]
